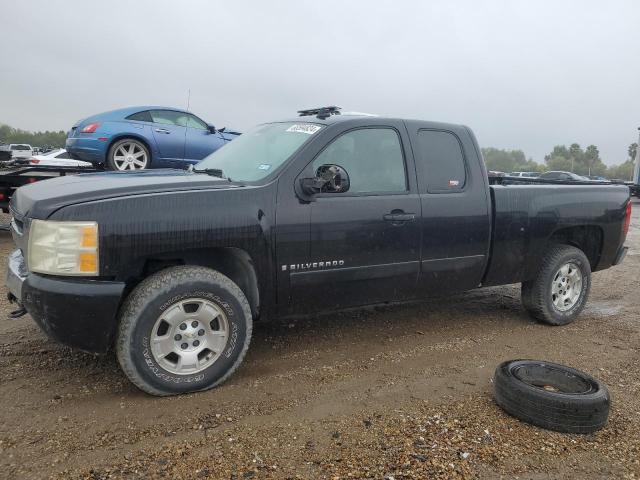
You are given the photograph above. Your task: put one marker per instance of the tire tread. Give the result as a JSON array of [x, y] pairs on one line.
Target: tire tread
[[149, 287], [534, 292], [579, 413]]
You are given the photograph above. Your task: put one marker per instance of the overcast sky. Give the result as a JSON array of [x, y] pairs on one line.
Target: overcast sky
[[525, 75]]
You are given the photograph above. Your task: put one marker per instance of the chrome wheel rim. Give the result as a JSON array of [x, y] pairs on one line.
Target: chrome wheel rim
[[189, 336], [130, 156], [566, 287]]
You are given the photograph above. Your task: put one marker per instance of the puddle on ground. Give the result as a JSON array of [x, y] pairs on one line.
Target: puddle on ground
[[603, 309]]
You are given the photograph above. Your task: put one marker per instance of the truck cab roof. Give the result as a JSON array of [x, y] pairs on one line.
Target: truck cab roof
[[335, 116]]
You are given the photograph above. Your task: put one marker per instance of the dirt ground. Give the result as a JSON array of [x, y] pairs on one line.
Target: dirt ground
[[392, 392]]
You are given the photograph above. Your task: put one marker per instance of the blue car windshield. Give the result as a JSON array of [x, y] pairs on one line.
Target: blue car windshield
[[254, 155]]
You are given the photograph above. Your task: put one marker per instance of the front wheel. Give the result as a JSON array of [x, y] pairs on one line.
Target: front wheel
[[560, 289], [128, 154], [183, 329]]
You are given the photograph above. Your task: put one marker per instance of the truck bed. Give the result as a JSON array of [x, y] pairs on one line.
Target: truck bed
[[526, 215]]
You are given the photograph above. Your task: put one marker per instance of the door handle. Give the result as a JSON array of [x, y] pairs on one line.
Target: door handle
[[162, 130], [399, 217]]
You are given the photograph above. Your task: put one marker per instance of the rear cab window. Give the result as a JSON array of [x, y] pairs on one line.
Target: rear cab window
[[441, 163]]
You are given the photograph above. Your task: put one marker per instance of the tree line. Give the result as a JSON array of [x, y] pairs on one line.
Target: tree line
[[571, 159], [35, 139]]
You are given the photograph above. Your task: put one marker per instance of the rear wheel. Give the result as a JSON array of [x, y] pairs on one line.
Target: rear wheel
[[183, 329], [128, 154], [560, 289]]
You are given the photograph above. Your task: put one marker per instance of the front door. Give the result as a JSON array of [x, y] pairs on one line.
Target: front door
[[364, 244], [169, 135], [200, 142]]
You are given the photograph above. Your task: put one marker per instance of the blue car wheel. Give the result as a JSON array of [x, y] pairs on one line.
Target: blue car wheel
[[128, 154]]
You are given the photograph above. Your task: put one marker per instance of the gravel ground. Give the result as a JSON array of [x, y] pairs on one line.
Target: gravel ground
[[396, 392]]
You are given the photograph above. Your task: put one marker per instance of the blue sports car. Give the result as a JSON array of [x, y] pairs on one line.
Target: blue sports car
[[136, 138]]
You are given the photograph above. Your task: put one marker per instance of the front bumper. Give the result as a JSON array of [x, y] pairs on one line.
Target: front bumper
[[77, 312]]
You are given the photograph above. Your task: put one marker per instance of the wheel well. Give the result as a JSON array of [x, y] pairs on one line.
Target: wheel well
[[124, 136], [587, 238], [231, 262]]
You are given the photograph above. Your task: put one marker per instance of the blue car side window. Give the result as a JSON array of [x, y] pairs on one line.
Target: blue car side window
[[195, 122], [141, 117], [168, 117]]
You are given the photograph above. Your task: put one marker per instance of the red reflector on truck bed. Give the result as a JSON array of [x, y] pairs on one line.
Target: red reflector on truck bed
[[627, 219]]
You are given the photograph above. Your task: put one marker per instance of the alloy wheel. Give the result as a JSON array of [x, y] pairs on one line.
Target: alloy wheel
[[566, 287], [189, 336], [130, 156]]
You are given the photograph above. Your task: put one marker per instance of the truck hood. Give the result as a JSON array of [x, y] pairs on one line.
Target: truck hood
[[41, 199]]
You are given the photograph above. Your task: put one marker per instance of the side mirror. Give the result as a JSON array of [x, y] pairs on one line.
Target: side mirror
[[211, 129], [328, 179]]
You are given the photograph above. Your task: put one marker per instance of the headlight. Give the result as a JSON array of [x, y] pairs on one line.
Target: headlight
[[63, 248]]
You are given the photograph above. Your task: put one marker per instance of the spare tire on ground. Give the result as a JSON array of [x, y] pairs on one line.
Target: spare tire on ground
[[551, 396]]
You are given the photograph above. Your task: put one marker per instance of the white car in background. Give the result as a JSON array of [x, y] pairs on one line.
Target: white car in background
[[55, 158], [20, 151]]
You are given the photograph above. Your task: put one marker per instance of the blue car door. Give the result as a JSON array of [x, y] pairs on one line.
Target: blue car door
[[200, 141], [169, 134]]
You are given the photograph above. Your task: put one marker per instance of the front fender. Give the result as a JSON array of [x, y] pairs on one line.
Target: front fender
[[136, 228]]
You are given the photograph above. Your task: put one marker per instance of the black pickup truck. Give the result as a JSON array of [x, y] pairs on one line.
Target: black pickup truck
[[321, 212]]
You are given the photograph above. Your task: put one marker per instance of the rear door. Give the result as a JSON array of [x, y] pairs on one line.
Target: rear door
[[169, 134], [456, 220], [200, 142], [364, 245]]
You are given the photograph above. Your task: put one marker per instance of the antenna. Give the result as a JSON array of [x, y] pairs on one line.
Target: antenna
[[188, 98]]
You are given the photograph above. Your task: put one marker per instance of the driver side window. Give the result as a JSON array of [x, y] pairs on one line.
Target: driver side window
[[195, 122], [371, 156]]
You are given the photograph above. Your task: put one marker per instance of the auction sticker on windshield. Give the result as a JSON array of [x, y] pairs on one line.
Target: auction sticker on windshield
[[307, 128]]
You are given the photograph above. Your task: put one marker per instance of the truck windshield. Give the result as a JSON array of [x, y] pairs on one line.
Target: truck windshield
[[254, 155]]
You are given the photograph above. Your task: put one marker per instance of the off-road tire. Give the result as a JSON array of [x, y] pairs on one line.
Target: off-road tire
[[146, 303], [536, 293], [583, 406]]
